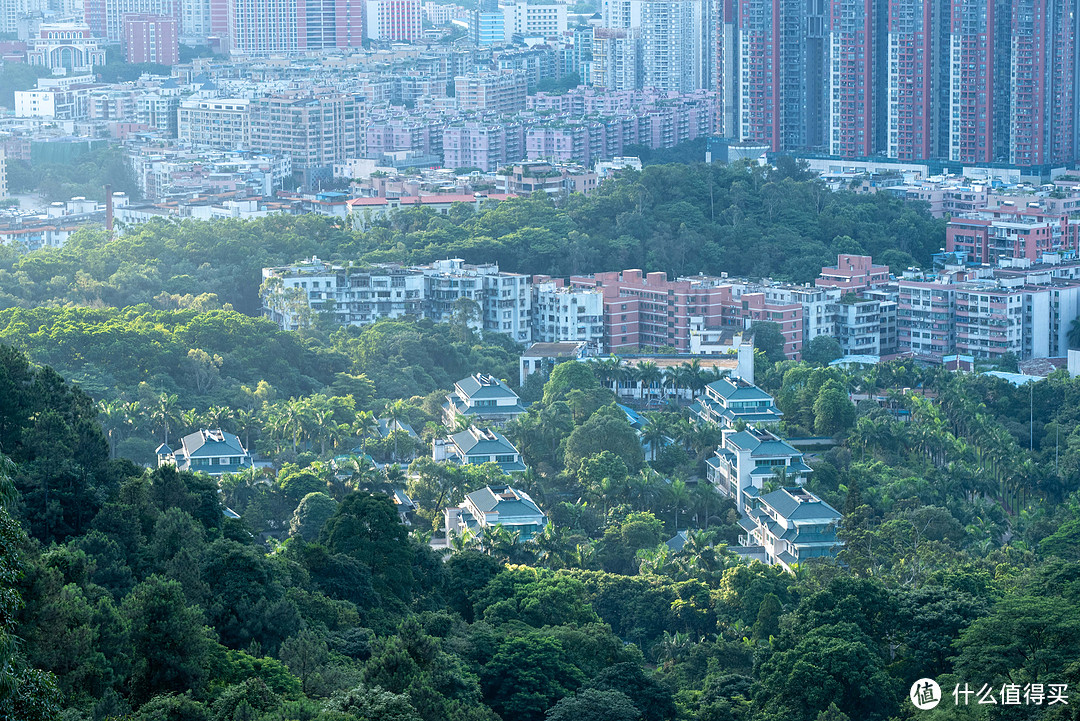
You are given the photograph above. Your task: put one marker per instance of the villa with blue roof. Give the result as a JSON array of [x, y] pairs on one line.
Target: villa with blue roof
[[479, 445], [729, 400], [788, 526], [482, 397], [746, 459], [208, 451], [492, 506]]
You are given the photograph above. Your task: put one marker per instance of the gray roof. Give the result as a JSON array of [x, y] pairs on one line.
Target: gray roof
[[799, 504], [737, 390], [388, 425], [677, 542], [482, 442], [212, 443], [162, 450], [483, 385], [504, 500]]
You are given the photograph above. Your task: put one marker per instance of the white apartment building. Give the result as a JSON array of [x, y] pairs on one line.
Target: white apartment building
[[355, 295], [617, 58], [503, 300], [215, 123], [68, 102], [866, 326], [673, 34], [534, 21], [567, 314]]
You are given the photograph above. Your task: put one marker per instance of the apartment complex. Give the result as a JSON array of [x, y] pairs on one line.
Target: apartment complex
[[354, 295], [1019, 308], [491, 92], [969, 81], [315, 131], [562, 313], [223, 123], [1008, 232], [152, 39], [394, 20]]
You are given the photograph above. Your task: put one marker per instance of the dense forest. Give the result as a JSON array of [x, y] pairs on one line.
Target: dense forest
[[677, 218], [129, 593]]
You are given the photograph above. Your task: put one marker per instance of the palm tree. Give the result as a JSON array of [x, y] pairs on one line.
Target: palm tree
[[215, 416], [584, 555], [655, 432], [113, 419], [295, 419], [164, 411], [680, 494], [396, 410], [322, 418], [1074, 333], [654, 561], [190, 418], [245, 421], [365, 426], [464, 541], [647, 373]]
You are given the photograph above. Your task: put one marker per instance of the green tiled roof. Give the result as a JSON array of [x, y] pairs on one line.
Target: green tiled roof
[[483, 386], [483, 443]]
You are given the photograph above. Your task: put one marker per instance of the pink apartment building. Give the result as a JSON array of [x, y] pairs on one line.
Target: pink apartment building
[[152, 39], [646, 310], [1010, 232], [853, 272]]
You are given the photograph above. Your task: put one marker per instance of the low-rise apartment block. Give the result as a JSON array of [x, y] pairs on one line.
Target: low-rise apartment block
[[564, 314], [501, 302], [787, 527], [746, 459], [354, 295]]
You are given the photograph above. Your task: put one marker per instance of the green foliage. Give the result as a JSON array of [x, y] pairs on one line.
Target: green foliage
[[311, 514], [535, 599], [170, 646], [18, 76], [366, 527], [594, 705], [769, 340], [605, 430], [822, 350], [85, 176]]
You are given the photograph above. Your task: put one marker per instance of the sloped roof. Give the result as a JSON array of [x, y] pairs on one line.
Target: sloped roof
[[482, 385], [737, 390], [482, 442], [495, 499], [799, 504], [212, 443]]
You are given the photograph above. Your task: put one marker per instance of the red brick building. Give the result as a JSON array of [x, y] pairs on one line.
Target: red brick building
[[648, 311], [151, 39]]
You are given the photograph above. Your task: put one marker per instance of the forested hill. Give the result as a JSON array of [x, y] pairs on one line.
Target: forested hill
[[128, 595], [682, 219]]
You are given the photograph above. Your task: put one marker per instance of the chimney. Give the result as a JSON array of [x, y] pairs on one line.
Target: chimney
[[108, 209], [745, 369]]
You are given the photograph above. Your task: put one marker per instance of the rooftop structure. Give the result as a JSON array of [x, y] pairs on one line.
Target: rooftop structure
[[482, 397], [492, 506]]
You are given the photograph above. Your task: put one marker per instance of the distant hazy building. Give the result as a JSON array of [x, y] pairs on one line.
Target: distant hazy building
[[151, 39], [394, 20], [65, 48]]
